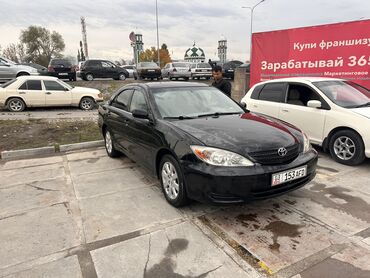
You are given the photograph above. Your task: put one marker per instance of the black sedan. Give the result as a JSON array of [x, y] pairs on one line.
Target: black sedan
[[204, 146]]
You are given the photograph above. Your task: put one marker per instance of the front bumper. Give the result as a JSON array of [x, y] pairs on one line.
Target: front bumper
[[222, 185]]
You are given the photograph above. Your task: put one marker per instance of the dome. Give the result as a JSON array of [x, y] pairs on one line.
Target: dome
[[194, 54]]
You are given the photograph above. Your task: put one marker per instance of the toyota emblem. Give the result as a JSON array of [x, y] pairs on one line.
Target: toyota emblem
[[282, 151]]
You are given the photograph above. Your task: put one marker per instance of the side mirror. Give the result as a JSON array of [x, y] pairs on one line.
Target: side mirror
[[314, 104], [140, 114], [243, 105]]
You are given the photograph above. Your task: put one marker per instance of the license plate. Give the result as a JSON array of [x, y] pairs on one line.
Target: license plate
[[289, 175], [151, 70], [63, 73], [231, 70], [204, 70]]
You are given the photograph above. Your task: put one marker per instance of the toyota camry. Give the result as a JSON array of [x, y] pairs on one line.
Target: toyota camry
[[204, 146]]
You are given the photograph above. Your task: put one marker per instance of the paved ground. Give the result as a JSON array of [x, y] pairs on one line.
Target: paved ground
[[85, 215]]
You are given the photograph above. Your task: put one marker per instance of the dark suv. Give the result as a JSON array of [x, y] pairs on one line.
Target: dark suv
[[228, 68], [62, 68], [102, 69]]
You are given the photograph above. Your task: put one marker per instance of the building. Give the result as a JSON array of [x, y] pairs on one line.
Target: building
[[194, 54], [222, 50]]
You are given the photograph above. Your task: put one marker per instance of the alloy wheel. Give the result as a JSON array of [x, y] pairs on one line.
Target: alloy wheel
[[16, 105], [86, 104], [344, 148], [170, 180], [108, 142]]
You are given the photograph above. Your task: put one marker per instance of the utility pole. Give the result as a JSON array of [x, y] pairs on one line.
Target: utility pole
[[156, 16], [84, 37]]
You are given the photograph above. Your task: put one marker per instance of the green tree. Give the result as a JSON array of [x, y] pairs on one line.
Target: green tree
[[41, 44]]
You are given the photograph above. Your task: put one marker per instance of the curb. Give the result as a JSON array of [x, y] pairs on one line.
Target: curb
[[26, 153]]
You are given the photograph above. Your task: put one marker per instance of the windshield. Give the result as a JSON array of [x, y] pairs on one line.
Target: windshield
[[148, 64], [70, 87], [181, 65], [344, 93], [7, 61], [193, 102]]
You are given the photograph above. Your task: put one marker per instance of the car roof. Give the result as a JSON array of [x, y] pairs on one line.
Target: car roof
[[155, 85], [31, 77], [301, 79]]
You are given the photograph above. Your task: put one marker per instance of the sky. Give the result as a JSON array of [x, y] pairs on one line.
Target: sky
[[109, 22]]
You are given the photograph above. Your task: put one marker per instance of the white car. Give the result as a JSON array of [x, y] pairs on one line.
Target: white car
[[199, 70], [43, 91], [334, 113], [177, 70]]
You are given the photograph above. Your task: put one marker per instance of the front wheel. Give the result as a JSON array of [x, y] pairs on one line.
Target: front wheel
[[16, 105], [109, 145], [122, 76], [87, 103], [89, 77], [172, 181], [347, 147]]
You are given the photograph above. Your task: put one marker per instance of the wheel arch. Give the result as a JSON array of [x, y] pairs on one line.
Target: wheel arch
[[160, 154], [19, 97], [22, 72], [326, 141]]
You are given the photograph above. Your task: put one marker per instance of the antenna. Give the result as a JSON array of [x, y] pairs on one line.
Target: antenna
[[84, 37]]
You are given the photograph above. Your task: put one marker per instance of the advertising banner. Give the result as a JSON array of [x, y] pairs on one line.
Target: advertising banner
[[340, 50]]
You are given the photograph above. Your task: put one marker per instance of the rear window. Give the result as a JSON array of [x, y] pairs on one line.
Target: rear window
[[148, 64], [204, 65], [63, 62], [180, 65], [6, 84], [273, 92]]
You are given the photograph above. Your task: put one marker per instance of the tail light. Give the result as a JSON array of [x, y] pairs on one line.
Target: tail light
[[189, 69], [174, 69], [51, 69], [100, 95]]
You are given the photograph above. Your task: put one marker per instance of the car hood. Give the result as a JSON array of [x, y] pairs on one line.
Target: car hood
[[242, 134], [85, 90], [364, 111]]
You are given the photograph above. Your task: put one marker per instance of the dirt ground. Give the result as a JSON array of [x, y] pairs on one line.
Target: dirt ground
[[15, 135]]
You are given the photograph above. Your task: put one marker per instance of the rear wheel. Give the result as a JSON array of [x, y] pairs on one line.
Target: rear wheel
[[16, 105], [89, 77], [22, 74], [109, 144], [122, 76], [172, 181], [87, 103], [347, 147]]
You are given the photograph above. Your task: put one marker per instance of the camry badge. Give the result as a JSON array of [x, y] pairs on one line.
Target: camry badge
[[282, 151]]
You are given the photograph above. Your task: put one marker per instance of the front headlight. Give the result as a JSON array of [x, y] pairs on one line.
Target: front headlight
[[220, 157], [306, 143]]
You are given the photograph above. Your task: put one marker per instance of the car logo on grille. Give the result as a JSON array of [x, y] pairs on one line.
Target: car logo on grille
[[282, 151]]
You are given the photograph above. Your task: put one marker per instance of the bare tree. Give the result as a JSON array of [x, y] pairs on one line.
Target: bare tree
[[15, 52]]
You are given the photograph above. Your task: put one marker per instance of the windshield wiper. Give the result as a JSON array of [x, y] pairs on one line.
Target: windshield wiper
[[362, 105], [216, 114], [179, 118]]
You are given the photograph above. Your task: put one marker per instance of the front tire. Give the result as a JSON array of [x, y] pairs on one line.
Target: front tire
[[87, 103], [16, 105], [122, 76], [172, 181], [109, 145], [347, 147]]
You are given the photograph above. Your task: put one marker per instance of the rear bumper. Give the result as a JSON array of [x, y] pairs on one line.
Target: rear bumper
[[228, 74], [185, 74], [63, 75], [150, 74], [201, 74], [222, 185]]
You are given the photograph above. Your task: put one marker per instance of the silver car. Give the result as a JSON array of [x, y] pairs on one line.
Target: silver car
[[131, 69], [177, 70], [10, 70]]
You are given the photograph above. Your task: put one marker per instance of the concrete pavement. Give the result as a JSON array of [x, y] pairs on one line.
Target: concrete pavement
[[83, 214]]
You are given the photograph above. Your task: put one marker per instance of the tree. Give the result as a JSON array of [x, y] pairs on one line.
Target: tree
[[151, 54], [15, 52], [41, 44]]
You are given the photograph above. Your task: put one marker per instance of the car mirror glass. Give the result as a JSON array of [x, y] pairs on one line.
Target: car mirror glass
[[141, 114]]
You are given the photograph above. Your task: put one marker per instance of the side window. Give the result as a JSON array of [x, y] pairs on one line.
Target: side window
[[256, 92], [53, 86], [23, 87], [105, 64], [138, 101], [121, 101], [300, 95], [273, 92], [34, 85]]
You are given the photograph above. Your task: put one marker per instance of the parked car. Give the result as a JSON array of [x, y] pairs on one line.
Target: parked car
[[45, 91], [131, 69], [201, 70], [148, 70], [204, 146], [102, 69], [78, 68], [10, 70], [247, 67], [228, 68], [40, 69], [334, 113], [62, 68], [177, 70]]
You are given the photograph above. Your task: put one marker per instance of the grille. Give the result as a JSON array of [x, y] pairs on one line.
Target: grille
[[271, 157]]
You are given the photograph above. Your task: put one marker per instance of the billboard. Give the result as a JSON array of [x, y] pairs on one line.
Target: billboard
[[340, 50]]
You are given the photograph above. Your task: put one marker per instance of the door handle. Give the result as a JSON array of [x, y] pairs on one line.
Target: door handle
[[255, 106], [284, 110], [22, 93], [48, 93]]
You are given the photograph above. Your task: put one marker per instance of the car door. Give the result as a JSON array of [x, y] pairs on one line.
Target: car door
[[56, 94], [32, 92], [108, 69], [268, 99], [118, 117], [143, 139], [95, 67], [295, 111]]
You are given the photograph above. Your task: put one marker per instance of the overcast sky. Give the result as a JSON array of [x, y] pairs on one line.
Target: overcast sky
[[181, 22]]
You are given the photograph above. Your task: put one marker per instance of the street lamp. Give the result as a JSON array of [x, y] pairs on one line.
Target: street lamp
[[252, 9], [156, 17]]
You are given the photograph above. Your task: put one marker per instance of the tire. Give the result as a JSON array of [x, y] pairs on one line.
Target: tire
[[186, 78], [22, 74], [122, 76], [109, 144], [347, 147], [172, 182], [89, 77], [15, 105], [87, 103]]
